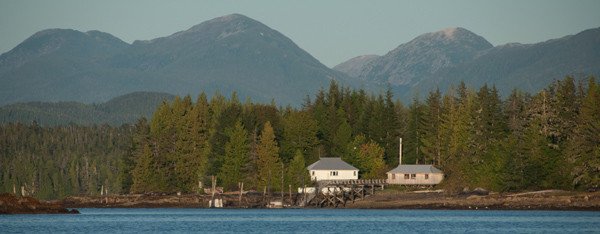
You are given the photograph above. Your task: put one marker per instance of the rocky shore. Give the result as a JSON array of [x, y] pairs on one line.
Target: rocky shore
[[387, 199], [249, 200], [537, 200], [10, 204]]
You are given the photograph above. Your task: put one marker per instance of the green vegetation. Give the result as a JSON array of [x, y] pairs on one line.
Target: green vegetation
[[60, 161], [121, 110], [548, 140]]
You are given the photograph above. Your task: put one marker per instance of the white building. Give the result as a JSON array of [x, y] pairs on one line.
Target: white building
[[332, 169], [415, 175]]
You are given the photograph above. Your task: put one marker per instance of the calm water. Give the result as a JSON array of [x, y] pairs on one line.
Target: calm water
[[305, 221]]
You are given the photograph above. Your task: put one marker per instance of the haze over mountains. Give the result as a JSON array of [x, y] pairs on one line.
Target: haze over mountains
[[225, 54], [236, 53], [444, 58]]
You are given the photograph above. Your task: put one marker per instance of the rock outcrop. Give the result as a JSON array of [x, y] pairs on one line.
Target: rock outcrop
[[10, 204]]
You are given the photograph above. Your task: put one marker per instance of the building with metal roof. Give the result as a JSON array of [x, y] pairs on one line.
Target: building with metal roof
[[332, 169], [414, 174]]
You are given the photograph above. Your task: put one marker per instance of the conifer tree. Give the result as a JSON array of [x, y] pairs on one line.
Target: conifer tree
[[432, 137], [269, 165], [584, 148], [392, 128], [236, 157], [299, 134], [414, 135], [199, 132], [143, 175], [297, 174], [343, 136], [224, 114]]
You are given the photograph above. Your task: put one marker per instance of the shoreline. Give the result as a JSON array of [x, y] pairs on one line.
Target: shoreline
[[11, 204], [541, 200]]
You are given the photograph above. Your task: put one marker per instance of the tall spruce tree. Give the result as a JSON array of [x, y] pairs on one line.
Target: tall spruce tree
[[297, 174], [414, 135], [432, 136], [299, 134], [584, 147], [342, 136], [236, 157], [269, 164]]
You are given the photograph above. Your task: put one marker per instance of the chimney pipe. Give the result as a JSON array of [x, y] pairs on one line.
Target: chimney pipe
[[400, 152]]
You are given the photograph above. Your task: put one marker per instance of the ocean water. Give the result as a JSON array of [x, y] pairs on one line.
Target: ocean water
[[113, 220]]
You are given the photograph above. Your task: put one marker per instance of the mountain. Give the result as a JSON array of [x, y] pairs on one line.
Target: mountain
[[442, 59], [354, 66], [117, 111], [225, 54], [423, 56], [529, 67], [57, 64]]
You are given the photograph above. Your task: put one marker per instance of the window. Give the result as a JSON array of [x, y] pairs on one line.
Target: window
[[333, 173], [406, 176], [313, 172], [426, 176], [393, 176], [354, 172], [413, 176]]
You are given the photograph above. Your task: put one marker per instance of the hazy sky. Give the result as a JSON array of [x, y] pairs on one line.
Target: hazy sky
[[332, 31]]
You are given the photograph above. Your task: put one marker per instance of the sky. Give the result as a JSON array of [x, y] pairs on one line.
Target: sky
[[333, 31]]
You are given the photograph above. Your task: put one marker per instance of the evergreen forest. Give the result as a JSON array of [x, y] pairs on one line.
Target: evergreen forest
[[547, 140]]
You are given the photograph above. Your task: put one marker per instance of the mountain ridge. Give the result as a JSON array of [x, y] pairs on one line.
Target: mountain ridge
[[529, 67], [424, 55], [225, 54]]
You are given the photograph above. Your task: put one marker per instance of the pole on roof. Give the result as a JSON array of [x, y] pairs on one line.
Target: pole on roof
[[400, 152]]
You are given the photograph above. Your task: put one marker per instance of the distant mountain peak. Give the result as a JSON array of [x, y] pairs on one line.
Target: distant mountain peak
[[238, 21], [425, 55], [449, 32], [217, 28], [452, 34], [232, 17]]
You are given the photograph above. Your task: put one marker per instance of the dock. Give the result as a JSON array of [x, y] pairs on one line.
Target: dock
[[336, 193]]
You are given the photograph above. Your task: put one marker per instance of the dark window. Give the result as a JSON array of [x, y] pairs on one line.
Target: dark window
[[426, 176], [413, 176], [393, 176], [313, 172], [406, 176]]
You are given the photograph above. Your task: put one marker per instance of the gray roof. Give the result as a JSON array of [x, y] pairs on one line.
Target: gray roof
[[414, 169], [331, 164]]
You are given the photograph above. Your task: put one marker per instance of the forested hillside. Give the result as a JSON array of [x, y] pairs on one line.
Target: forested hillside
[[546, 140], [52, 162], [126, 109]]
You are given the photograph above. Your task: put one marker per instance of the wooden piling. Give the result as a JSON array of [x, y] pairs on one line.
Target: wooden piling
[[213, 180], [241, 185]]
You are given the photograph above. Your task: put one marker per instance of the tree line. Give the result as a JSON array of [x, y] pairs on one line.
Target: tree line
[[524, 142], [54, 162]]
